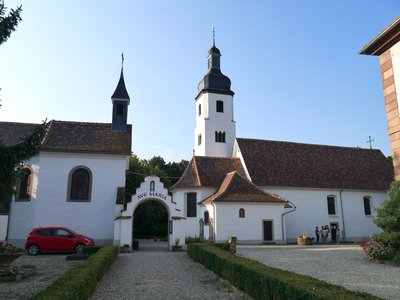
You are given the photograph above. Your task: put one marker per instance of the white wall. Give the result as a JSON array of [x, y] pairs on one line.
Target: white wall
[[49, 205], [250, 228], [3, 226], [210, 121], [312, 211]]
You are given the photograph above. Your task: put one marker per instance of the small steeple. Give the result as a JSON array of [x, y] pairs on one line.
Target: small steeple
[[120, 99]]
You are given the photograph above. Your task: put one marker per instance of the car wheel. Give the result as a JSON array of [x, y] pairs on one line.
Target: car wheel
[[33, 250], [79, 248]]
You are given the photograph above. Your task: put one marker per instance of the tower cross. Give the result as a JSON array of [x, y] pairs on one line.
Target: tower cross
[[122, 59], [370, 142]]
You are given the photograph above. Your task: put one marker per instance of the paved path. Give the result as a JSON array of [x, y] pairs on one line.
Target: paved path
[[343, 265], [155, 273]]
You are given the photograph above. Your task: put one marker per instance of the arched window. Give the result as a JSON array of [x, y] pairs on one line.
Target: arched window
[[152, 186], [199, 109], [120, 109], [79, 184], [220, 106], [242, 213], [199, 139], [24, 185], [331, 201], [206, 218], [220, 137]]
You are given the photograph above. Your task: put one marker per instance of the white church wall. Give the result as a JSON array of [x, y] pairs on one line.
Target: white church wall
[[250, 228], [312, 210], [210, 121], [51, 208]]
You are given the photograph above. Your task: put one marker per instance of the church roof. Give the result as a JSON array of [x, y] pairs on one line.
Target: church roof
[[208, 171], [383, 41], [236, 188], [120, 91], [288, 164], [66, 136]]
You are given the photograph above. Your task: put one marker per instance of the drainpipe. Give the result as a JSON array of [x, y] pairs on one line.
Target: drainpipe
[[213, 230], [283, 224], [341, 210]]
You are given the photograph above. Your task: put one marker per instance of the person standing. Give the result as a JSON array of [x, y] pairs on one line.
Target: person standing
[[317, 234]]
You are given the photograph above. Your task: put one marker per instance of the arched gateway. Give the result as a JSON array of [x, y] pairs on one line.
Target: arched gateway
[[150, 189]]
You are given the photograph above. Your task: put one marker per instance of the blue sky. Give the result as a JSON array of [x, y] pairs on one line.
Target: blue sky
[[294, 67]]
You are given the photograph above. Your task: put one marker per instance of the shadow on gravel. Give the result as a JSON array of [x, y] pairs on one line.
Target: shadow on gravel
[[153, 246]]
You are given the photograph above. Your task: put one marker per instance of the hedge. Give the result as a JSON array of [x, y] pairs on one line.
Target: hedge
[[80, 282], [264, 282], [90, 250]]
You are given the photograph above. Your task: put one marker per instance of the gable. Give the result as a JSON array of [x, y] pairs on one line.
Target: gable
[[287, 164], [208, 171]]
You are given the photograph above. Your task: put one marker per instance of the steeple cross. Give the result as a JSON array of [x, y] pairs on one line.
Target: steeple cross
[[122, 58], [370, 142]]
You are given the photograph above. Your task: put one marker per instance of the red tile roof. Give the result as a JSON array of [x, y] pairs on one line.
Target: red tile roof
[[66, 136], [208, 171], [287, 164], [236, 188]]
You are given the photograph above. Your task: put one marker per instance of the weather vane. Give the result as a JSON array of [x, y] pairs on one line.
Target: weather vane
[[370, 142]]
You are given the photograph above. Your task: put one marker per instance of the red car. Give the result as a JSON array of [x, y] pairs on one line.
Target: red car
[[56, 239]]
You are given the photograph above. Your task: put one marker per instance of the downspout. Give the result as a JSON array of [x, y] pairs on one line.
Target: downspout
[[213, 230], [341, 210], [283, 224]]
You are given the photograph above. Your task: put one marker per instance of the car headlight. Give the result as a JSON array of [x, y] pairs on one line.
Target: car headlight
[[88, 241]]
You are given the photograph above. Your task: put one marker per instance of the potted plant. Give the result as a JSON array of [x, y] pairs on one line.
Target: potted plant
[[304, 239], [9, 253], [177, 247]]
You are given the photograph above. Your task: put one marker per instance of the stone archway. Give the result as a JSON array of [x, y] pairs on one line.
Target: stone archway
[[151, 189]]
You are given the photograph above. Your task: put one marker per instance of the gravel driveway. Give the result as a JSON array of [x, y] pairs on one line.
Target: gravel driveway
[[155, 273], [49, 267], [343, 265]]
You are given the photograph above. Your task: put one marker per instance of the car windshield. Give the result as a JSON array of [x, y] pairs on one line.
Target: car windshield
[[73, 232]]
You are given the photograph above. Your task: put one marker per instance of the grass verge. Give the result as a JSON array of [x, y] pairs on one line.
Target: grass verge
[[80, 282], [264, 282]]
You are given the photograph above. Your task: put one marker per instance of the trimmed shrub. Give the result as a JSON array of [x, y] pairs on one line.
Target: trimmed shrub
[[80, 282], [190, 239], [263, 282], [223, 246], [135, 245], [90, 250]]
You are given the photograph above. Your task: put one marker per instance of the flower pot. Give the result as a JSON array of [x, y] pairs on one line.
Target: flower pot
[[302, 241]]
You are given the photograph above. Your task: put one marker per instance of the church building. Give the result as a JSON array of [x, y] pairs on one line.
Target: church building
[[260, 191]]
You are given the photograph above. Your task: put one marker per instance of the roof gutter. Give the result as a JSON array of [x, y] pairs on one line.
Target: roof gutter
[[283, 223]]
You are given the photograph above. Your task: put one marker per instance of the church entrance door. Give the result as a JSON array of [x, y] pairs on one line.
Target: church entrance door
[[267, 229], [334, 227]]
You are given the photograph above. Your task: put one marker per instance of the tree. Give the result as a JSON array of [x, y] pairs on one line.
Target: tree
[[8, 23], [388, 218], [12, 156]]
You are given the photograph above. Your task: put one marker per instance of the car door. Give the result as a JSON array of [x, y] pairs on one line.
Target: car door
[[63, 240], [44, 239]]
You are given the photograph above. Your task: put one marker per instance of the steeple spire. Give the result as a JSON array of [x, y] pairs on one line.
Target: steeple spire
[[213, 30], [120, 100]]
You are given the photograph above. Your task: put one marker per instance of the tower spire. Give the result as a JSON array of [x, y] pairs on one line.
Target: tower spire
[[122, 60], [213, 30]]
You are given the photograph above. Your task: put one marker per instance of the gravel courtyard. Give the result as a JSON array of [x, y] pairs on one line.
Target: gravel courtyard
[[339, 264], [155, 273], [49, 267]]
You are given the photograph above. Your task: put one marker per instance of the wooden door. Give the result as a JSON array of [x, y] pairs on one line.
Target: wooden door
[[268, 236]]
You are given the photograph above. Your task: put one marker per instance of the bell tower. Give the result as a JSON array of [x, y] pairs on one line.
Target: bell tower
[[120, 100], [215, 130]]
